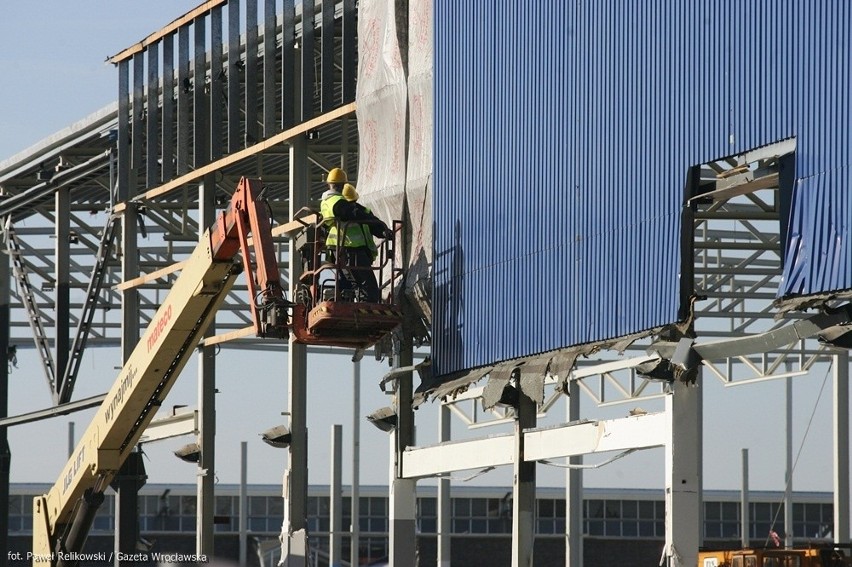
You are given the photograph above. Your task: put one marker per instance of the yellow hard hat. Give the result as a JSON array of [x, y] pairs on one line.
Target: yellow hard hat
[[336, 175], [349, 192]]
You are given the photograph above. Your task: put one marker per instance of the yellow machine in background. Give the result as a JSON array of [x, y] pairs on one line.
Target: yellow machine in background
[[828, 556]]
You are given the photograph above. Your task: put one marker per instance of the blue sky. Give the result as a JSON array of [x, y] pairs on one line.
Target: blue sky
[[52, 64]]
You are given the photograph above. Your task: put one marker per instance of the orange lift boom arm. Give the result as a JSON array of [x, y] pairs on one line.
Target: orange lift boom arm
[[62, 517]]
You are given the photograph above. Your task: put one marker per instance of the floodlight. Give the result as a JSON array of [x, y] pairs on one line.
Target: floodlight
[[278, 437], [383, 418], [190, 453]]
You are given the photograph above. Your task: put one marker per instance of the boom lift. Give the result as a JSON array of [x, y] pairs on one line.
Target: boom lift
[[62, 517]]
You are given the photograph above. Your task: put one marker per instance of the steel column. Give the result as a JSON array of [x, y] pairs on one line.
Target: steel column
[[335, 497], [205, 483], [200, 111], [574, 490], [403, 544], [243, 511], [788, 474], [355, 527], [523, 488], [745, 516], [306, 109], [130, 478], [252, 135], [235, 141], [840, 412], [270, 125], [294, 529], [445, 520], [184, 100], [167, 152], [217, 85], [62, 289], [683, 455], [152, 117], [5, 452]]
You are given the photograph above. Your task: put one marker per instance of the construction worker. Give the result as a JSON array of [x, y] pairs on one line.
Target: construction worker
[[351, 228]]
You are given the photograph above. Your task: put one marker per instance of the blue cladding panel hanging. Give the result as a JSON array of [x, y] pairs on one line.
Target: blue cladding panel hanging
[[564, 133]]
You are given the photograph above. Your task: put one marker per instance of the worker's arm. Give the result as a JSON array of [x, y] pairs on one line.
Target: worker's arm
[[349, 211]]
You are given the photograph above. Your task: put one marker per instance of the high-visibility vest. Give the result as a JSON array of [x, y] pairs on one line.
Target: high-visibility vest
[[355, 234]]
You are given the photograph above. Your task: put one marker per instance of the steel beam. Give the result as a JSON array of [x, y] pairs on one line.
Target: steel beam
[[444, 458], [182, 423], [585, 438]]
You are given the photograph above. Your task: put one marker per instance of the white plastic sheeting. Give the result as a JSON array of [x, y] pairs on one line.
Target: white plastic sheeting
[[395, 119], [418, 190]]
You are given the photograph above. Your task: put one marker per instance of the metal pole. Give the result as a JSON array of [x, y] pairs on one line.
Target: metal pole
[[205, 485], [683, 501], [841, 446], [62, 289], [574, 492], [294, 530], [788, 477], [5, 452], [403, 539], [335, 498], [354, 528], [745, 520], [523, 495], [444, 501], [243, 526]]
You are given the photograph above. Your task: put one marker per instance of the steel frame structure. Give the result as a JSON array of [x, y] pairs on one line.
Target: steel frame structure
[[98, 219]]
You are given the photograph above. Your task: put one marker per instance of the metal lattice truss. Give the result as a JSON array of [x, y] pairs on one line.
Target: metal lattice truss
[[99, 218]]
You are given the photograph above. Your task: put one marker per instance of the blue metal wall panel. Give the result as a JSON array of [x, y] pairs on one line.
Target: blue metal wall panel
[[564, 133]]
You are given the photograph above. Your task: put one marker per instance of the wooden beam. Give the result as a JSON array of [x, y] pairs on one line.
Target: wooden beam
[[233, 335], [231, 159], [186, 19], [281, 230], [155, 275]]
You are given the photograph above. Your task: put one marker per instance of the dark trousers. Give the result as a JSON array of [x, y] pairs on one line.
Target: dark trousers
[[359, 262]]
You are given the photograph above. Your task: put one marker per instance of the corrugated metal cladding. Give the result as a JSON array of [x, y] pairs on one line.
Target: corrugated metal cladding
[[564, 132]]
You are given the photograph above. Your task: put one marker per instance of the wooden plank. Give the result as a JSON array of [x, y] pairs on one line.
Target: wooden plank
[[294, 226], [155, 275], [233, 335], [184, 20], [281, 138], [286, 229]]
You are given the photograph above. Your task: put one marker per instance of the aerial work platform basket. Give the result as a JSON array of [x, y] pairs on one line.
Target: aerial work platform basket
[[330, 308]]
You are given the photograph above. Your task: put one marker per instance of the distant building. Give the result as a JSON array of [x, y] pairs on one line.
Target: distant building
[[621, 526]]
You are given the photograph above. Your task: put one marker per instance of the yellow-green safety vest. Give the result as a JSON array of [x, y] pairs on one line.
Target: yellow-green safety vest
[[356, 234]]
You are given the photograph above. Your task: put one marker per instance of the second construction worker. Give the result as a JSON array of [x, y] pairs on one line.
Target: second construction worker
[[351, 228]]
